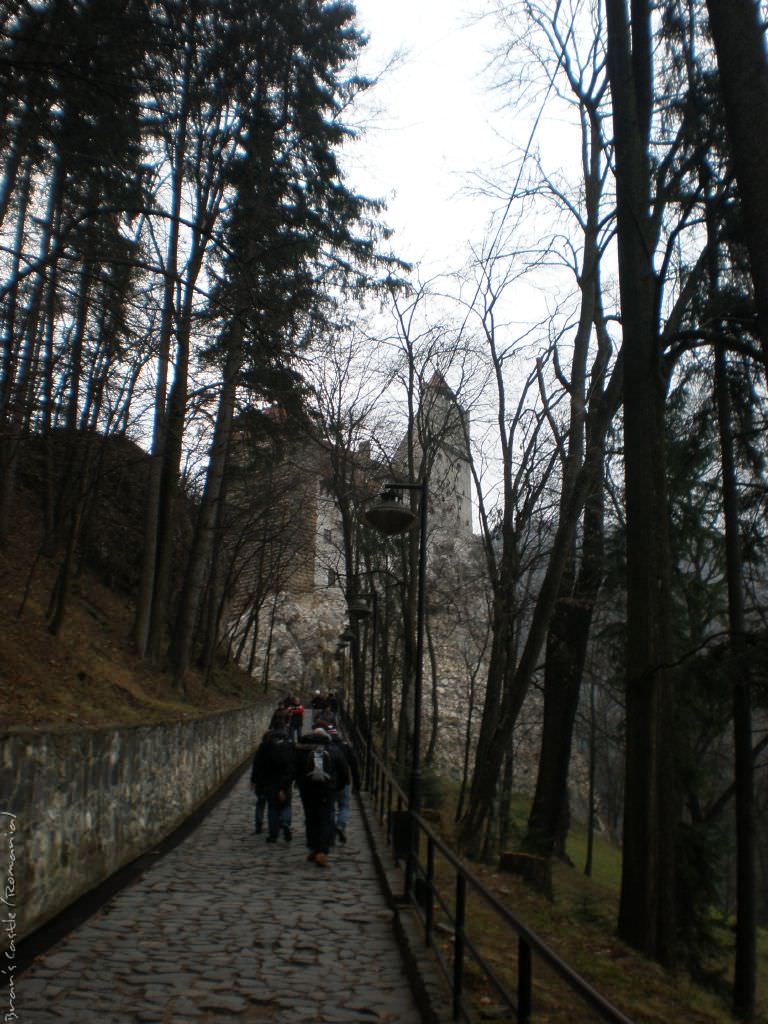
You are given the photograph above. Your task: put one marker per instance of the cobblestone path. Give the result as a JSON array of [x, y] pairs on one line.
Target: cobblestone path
[[229, 928]]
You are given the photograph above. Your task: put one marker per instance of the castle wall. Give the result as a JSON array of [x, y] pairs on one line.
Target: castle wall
[[80, 805]]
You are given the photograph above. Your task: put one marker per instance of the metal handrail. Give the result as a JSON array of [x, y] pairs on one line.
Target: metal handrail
[[386, 797]]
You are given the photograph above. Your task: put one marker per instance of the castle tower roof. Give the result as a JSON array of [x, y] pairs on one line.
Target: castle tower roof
[[438, 383]]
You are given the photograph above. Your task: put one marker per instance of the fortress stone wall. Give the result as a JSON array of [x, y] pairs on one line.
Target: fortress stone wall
[[78, 806]]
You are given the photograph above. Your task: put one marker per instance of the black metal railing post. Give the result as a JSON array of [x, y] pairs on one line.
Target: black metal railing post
[[458, 944], [524, 981], [432, 904], [429, 910]]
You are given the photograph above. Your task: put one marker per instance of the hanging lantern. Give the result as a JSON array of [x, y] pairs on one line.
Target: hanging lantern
[[359, 606], [388, 514]]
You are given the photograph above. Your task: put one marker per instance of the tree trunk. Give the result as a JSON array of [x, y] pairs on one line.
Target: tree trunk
[[741, 62], [569, 628], [434, 728], [168, 319], [505, 802], [563, 671], [9, 445], [591, 785], [171, 468], [746, 930], [647, 904], [488, 759], [467, 747], [202, 547]]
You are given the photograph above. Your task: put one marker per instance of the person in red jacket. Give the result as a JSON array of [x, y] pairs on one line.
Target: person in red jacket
[[296, 711]]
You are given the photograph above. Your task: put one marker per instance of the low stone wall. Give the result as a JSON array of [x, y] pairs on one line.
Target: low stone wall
[[76, 807]]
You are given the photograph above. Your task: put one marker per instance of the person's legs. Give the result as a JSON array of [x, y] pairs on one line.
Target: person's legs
[[342, 813], [318, 819], [324, 833], [310, 823], [274, 811], [286, 816], [258, 815]]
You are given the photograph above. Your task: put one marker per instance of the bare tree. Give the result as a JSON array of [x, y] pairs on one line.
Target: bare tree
[[743, 69]]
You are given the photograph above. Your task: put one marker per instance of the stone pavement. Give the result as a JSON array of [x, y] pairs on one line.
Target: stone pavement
[[229, 928]]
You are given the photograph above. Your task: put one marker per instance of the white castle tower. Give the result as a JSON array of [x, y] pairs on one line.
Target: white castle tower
[[443, 437]]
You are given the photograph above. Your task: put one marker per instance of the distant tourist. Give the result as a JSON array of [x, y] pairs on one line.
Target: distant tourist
[[281, 719], [318, 706], [343, 796], [272, 775], [296, 720], [321, 773]]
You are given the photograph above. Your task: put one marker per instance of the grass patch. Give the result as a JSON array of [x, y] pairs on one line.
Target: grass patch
[[579, 925], [606, 858]]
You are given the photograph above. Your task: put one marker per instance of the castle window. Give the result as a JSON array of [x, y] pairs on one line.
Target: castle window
[[331, 577], [327, 536]]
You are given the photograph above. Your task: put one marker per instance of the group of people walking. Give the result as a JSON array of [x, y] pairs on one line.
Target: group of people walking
[[323, 767]]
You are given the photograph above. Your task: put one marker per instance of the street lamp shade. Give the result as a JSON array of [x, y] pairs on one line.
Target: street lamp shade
[[359, 606], [389, 515]]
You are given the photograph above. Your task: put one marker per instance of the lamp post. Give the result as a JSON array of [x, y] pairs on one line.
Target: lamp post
[[390, 516], [357, 609], [345, 638], [374, 635], [363, 606]]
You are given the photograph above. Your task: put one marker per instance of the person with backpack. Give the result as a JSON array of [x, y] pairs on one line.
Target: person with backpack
[[341, 803], [272, 774], [321, 772]]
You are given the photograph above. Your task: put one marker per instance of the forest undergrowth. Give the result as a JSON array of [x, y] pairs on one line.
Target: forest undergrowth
[[579, 925], [89, 675]]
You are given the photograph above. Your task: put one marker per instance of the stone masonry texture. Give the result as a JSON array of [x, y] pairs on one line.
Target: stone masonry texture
[[76, 807], [227, 927]]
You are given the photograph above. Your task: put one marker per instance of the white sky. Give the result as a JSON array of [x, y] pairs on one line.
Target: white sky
[[435, 124]]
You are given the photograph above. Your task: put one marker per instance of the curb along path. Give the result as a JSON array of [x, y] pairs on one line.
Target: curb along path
[[227, 927]]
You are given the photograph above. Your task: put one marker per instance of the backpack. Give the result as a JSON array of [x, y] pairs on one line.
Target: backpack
[[319, 765]]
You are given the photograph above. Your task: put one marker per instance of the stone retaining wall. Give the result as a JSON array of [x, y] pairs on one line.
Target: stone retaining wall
[[76, 807]]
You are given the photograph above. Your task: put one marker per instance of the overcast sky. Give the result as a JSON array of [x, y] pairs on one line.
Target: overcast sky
[[434, 124]]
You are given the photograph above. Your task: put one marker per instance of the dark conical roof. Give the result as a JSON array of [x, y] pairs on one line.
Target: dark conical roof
[[437, 383]]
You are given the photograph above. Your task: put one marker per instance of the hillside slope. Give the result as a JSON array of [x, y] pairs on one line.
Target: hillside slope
[[89, 674]]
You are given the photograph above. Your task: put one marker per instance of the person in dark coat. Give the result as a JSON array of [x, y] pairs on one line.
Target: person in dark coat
[[341, 803], [281, 719], [272, 774], [318, 706], [260, 807], [321, 772]]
